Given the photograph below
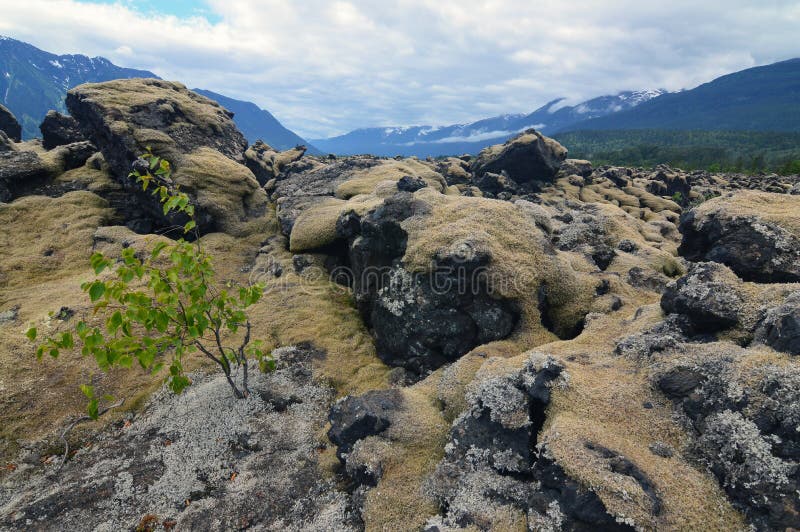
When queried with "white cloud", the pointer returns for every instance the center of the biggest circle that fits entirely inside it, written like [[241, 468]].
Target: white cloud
[[327, 67]]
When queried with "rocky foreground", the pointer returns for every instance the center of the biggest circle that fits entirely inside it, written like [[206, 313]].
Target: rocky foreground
[[513, 341]]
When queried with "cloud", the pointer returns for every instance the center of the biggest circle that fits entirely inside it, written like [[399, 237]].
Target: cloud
[[325, 67]]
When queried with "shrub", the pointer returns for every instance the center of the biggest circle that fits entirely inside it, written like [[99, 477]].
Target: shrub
[[164, 303]]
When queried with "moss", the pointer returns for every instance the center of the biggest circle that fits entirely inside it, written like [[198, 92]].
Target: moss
[[365, 181], [522, 256], [44, 257], [418, 434], [125, 95], [780, 209], [316, 227], [226, 189]]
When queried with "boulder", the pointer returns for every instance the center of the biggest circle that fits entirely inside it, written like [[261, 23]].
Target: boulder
[[125, 116], [19, 171], [492, 183], [527, 158], [780, 326], [578, 167], [667, 182], [420, 320], [267, 163], [58, 130], [409, 183], [259, 158], [756, 234], [23, 171], [9, 124], [194, 133], [355, 418], [707, 295]]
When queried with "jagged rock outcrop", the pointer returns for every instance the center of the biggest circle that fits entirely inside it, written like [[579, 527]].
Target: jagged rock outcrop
[[22, 171], [756, 234], [58, 130], [195, 134], [707, 295], [527, 159], [9, 124], [744, 421], [125, 116], [780, 326], [420, 321], [267, 163], [494, 471]]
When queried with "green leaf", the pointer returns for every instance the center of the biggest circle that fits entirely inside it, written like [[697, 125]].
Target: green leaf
[[92, 409], [87, 390], [158, 248], [114, 322], [31, 334], [189, 226], [67, 341], [96, 290]]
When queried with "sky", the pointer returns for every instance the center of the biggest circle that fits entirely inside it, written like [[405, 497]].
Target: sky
[[326, 67]]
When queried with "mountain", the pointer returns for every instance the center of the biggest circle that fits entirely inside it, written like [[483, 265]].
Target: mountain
[[423, 141], [765, 98], [33, 81], [256, 123]]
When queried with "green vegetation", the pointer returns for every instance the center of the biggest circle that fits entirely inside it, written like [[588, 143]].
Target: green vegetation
[[716, 151], [163, 303]]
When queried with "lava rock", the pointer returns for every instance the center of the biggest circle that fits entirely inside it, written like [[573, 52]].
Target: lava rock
[[578, 167], [59, 130], [124, 117], [780, 326], [409, 183], [354, 418], [526, 158], [21, 171], [9, 124], [707, 294], [756, 247]]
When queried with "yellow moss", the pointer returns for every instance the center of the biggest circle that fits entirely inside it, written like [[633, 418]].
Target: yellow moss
[[44, 258], [45, 239], [92, 179], [780, 209], [365, 181], [522, 257], [418, 437], [316, 227], [125, 94], [226, 189]]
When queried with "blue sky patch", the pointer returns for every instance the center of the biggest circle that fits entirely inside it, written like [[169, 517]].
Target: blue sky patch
[[179, 8]]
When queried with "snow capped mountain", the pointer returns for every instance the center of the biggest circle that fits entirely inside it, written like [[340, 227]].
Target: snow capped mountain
[[554, 116], [35, 81]]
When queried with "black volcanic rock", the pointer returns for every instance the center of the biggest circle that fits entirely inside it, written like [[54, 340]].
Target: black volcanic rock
[[195, 134], [753, 233], [58, 130], [707, 294], [527, 158], [780, 327], [9, 124]]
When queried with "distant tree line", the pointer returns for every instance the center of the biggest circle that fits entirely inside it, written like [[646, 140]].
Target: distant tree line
[[720, 151]]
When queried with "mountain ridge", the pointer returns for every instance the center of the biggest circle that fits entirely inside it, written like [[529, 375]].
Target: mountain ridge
[[34, 81], [550, 118], [762, 98]]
